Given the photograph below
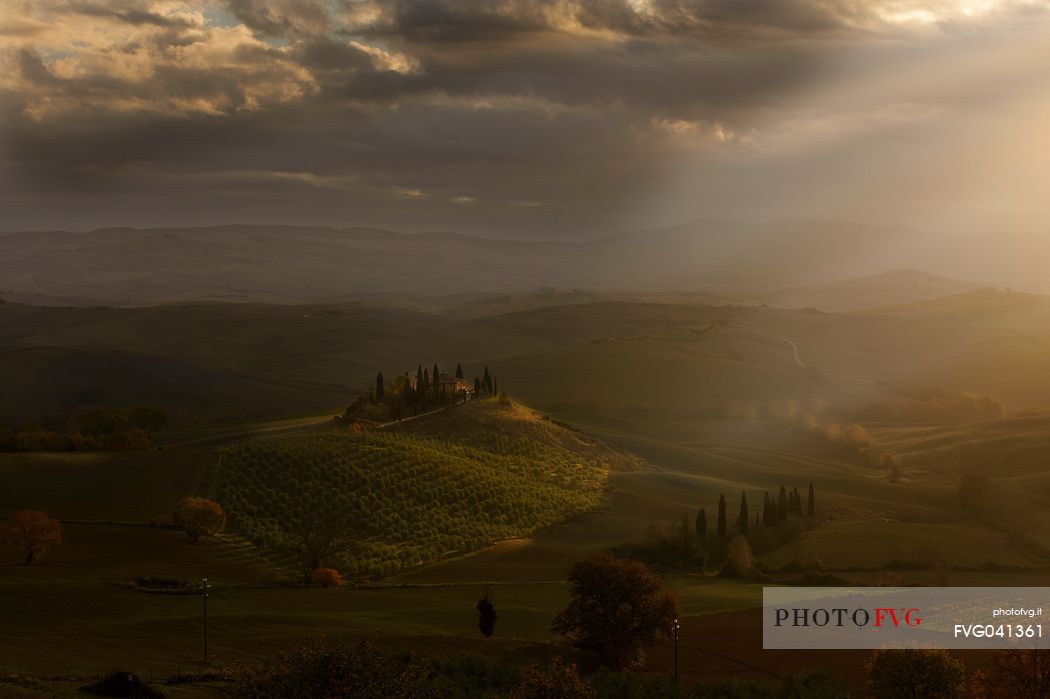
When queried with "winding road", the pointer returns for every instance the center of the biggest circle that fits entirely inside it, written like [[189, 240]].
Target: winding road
[[794, 352]]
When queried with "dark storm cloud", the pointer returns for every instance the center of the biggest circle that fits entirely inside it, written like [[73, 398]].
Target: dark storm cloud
[[463, 111], [459, 21], [482, 20], [131, 15], [285, 18]]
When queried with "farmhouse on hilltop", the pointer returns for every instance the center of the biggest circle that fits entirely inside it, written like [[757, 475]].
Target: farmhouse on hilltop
[[451, 385]]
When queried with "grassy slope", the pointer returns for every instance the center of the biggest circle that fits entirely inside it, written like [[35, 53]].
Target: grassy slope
[[1002, 340], [47, 380], [1007, 448], [110, 486]]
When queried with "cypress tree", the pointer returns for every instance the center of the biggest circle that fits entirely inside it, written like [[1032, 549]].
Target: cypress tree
[[486, 616], [421, 387], [722, 517], [811, 505], [486, 380], [782, 505], [435, 379], [379, 387], [769, 515], [701, 526], [744, 520], [409, 396], [687, 538], [426, 381], [459, 371], [798, 503], [477, 387]]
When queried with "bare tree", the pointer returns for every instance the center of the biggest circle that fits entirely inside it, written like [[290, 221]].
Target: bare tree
[[319, 536], [1022, 673]]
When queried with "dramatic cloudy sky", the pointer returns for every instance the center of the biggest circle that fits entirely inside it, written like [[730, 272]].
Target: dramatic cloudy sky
[[539, 118]]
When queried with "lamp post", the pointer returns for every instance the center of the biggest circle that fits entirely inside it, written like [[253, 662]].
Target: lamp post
[[204, 596], [674, 636]]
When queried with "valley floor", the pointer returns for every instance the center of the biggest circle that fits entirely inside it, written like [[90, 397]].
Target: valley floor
[[66, 616]]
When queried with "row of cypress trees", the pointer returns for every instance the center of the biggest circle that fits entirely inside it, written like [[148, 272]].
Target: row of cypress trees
[[427, 385], [486, 385], [774, 511]]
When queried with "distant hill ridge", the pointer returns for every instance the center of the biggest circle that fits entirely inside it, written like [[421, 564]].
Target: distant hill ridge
[[290, 264], [873, 291]]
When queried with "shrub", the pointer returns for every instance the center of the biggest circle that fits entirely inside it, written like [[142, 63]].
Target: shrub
[[327, 577], [740, 563], [35, 532], [199, 517], [734, 688], [468, 677], [172, 586], [122, 684], [632, 685], [812, 685], [319, 669], [558, 681], [904, 673]]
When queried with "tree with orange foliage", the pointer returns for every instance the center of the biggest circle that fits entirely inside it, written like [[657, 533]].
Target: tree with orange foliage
[[199, 517], [36, 533], [617, 609], [327, 577], [559, 680]]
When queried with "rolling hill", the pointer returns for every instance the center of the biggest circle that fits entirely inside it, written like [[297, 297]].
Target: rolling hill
[[235, 362], [210, 361], [993, 308], [868, 292], [473, 475], [1006, 448]]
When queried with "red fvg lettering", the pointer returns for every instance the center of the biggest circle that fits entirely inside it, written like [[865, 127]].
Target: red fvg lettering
[[909, 616]]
